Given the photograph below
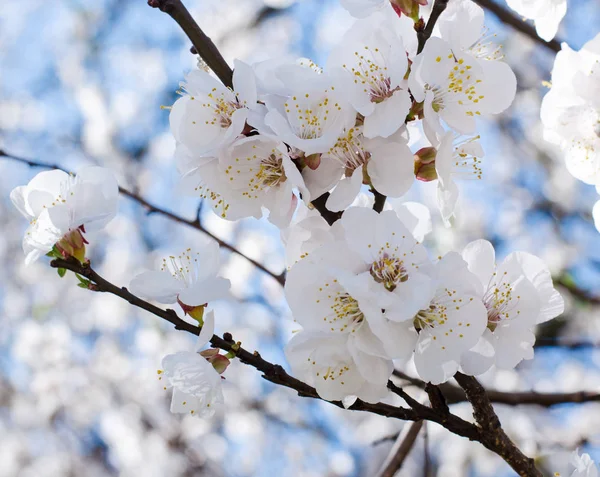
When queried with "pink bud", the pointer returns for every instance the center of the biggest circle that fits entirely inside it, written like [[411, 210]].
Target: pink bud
[[425, 164]]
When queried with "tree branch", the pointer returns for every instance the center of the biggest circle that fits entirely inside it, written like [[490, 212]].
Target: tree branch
[[509, 18], [490, 436], [273, 373], [328, 215], [379, 202], [493, 436], [153, 209], [202, 43], [423, 34], [400, 450], [454, 394]]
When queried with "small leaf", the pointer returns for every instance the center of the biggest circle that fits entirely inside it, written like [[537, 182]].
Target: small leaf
[[82, 280], [82, 285], [61, 272]]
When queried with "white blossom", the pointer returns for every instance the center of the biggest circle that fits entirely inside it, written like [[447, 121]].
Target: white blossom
[[337, 367], [189, 279], [571, 109], [64, 206], [388, 164], [583, 465], [462, 26], [196, 384], [451, 324], [455, 161], [363, 8], [547, 14], [314, 114], [458, 88], [254, 172], [209, 115], [371, 62], [518, 294]]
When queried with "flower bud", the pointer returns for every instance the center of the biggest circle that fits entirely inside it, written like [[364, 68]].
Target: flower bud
[[425, 164], [196, 312], [409, 7], [219, 362], [72, 244]]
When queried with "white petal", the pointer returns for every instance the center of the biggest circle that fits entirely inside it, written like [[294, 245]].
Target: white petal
[[159, 286], [345, 192], [481, 259], [207, 331], [244, 83], [205, 291], [480, 358], [391, 169], [388, 116]]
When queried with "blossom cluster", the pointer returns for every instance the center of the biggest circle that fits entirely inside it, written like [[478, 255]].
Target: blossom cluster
[[365, 290], [571, 112], [369, 294], [291, 131]]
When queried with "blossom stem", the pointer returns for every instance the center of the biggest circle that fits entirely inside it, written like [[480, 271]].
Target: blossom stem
[[202, 43]]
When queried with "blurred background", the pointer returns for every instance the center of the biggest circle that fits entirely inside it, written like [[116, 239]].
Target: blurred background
[[82, 82]]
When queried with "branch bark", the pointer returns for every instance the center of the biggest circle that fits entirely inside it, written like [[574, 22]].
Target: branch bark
[[509, 18], [202, 43], [454, 394], [400, 450], [493, 436]]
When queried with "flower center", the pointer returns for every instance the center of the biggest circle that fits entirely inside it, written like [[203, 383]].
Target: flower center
[[371, 72], [434, 315], [390, 271], [500, 302], [183, 267], [346, 309], [485, 48], [308, 116], [349, 151], [460, 88], [222, 108], [270, 172]]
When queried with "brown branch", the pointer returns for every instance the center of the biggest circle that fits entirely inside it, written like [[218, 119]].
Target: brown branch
[[423, 34], [202, 43], [273, 373], [379, 202], [578, 293], [493, 436], [509, 18], [400, 452], [151, 209], [454, 394], [328, 215]]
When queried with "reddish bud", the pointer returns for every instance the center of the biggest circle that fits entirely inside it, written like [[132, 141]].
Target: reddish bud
[[425, 164]]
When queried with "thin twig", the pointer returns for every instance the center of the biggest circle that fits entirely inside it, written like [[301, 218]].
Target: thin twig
[[493, 436], [454, 394], [423, 35], [202, 43], [153, 209], [400, 450], [509, 18]]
